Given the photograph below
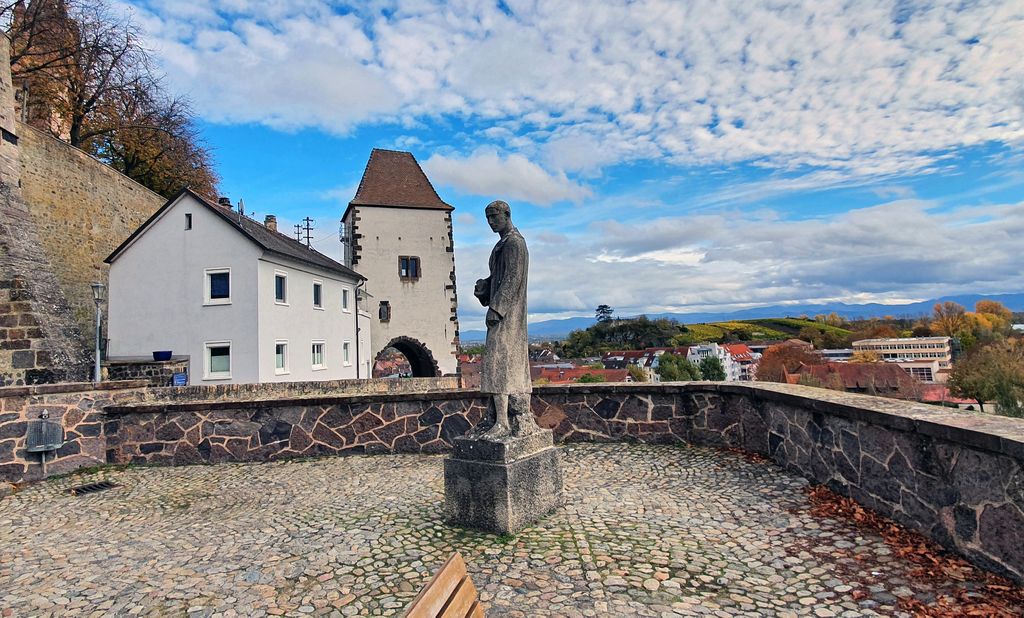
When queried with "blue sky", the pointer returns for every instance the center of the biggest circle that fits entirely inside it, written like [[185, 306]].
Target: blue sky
[[658, 156]]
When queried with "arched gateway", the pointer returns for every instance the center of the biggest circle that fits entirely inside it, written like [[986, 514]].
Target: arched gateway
[[420, 359]]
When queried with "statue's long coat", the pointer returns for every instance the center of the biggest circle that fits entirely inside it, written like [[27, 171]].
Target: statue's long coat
[[506, 364]]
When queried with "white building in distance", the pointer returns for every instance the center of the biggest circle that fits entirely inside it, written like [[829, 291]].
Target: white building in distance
[[246, 303], [398, 233]]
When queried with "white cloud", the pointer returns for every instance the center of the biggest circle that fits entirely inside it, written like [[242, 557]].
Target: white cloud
[[853, 88], [511, 178], [885, 253]]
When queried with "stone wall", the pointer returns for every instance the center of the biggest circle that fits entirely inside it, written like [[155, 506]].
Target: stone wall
[[155, 373], [956, 477], [78, 407], [38, 338], [61, 213], [82, 210]]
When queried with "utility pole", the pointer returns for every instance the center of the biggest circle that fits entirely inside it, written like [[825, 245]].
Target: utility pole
[[298, 232], [309, 231]]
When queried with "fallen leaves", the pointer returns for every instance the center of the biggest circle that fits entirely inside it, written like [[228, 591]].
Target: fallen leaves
[[968, 590]]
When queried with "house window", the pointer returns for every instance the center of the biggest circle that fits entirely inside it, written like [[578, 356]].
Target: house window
[[319, 361], [218, 286], [408, 267], [188, 221], [281, 357], [384, 313], [345, 352], [218, 360], [344, 299], [318, 294], [280, 288]]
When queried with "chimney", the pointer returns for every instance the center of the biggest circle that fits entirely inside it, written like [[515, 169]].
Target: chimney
[[224, 201], [270, 222]]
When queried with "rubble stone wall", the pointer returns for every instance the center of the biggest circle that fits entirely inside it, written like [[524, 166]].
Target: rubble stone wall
[[957, 477]]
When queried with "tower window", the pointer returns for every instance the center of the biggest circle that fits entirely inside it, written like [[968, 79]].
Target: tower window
[[408, 267], [384, 312]]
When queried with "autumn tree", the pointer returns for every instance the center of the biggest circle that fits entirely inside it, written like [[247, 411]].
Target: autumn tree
[[993, 372], [87, 79], [711, 369], [949, 319], [865, 356], [784, 358]]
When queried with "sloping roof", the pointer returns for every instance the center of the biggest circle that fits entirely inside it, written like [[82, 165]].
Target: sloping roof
[[565, 376], [740, 352], [268, 240], [883, 376], [394, 178]]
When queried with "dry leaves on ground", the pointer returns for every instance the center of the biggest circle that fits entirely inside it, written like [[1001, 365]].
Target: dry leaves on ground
[[966, 589]]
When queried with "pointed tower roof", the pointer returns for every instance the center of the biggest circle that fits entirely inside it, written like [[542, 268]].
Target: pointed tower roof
[[393, 178]]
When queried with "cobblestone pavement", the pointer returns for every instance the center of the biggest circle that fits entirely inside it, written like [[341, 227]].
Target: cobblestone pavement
[[648, 531]]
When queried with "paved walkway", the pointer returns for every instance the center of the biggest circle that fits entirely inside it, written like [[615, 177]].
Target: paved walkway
[[648, 531]]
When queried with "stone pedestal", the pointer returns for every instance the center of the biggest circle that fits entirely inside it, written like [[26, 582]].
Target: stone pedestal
[[502, 486]]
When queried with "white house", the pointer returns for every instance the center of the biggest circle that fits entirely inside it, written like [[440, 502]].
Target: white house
[[246, 303], [737, 359]]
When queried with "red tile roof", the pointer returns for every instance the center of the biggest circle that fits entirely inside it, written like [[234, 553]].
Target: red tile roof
[[855, 376], [567, 376], [740, 352], [937, 393], [394, 178]]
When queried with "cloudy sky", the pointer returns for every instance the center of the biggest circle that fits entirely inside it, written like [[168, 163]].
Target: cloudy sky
[[658, 156]]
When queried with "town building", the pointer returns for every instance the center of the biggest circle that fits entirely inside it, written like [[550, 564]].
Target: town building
[[733, 369], [881, 379], [573, 375], [244, 302], [398, 233], [838, 355], [744, 361], [911, 348]]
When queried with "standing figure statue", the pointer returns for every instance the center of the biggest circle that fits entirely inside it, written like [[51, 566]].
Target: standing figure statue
[[505, 371]]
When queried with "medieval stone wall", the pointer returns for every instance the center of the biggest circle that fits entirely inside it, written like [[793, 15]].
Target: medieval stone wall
[[82, 210]]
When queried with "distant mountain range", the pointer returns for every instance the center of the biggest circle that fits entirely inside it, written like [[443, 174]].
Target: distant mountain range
[[558, 329]]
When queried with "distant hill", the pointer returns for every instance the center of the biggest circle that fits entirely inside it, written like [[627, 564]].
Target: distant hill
[[558, 329]]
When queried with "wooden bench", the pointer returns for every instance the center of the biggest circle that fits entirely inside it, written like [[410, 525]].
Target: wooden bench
[[449, 594]]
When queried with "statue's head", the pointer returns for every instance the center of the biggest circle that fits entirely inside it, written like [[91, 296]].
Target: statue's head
[[499, 216]]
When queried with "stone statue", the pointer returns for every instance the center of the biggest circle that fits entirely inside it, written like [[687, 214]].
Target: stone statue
[[505, 371], [506, 472]]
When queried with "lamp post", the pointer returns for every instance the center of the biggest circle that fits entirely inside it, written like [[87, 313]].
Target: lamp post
[[97, 297]]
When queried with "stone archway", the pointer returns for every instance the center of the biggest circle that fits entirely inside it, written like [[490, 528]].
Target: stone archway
[[420, 359]]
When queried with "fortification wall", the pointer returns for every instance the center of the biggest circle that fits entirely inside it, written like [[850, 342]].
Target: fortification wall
[[61, 213], [82, 210]]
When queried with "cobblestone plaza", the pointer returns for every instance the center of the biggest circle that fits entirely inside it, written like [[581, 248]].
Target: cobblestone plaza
[[647, 531]]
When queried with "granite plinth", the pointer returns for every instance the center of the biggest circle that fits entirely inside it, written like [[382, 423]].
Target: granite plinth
[[506, 449], [502, 486]]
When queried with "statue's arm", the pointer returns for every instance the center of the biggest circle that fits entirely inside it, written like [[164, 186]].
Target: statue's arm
[[512, 288], [482, 291]]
